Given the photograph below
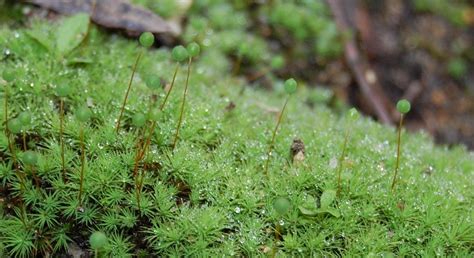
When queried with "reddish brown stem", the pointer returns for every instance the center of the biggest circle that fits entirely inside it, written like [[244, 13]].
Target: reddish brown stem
[[341, 158], [181, 114], [398, 152], [128, 91], [162, 106], [272, 142], [83, 158], [35, 177], [61, 135], [24, 140]]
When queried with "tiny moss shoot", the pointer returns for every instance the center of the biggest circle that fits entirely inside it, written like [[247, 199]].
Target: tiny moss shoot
[[62, 92], [403, 106], [352, 115], [146, 40], [193, 50], [83, 115], [290, 89], [98, 240]]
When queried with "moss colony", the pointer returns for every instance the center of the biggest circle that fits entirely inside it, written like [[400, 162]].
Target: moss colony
[[68, 177]]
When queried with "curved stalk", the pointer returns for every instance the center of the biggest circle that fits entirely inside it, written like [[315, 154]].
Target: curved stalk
[[61, 136], [83, 157], [398, 152], [341, 158], [128, 91], [272, 142], [181, 114]]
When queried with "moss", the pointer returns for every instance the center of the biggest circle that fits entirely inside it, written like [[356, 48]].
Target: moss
[[209, 196]]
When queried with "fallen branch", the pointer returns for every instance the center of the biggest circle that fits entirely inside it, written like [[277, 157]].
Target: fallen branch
[[364, 75]]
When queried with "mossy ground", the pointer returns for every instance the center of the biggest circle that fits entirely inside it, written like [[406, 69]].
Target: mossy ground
[[209, 197]]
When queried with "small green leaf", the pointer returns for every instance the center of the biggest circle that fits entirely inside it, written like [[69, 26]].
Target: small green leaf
[[316, 212], [332, 211], [71, 33], [42, 38], [307, 212], [327, 198]]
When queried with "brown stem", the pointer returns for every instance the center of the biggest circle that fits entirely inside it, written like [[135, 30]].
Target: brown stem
[[277, 238], [171, 88], [270, 148], [24, 140], [341, 158], [181, 114], [162, 106], [35, 177], [258, 75], [399, 143], [61, 135], [138, 152], [83, 157], [128, 90], [6, 110], [237, 65]]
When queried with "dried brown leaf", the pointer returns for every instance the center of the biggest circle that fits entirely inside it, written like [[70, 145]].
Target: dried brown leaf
[[114, 14]]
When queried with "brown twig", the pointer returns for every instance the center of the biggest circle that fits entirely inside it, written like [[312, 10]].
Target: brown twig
[[364, 75]]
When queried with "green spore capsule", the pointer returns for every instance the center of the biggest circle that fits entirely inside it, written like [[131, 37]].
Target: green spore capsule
[[15, 126], [290, 86], [25, 118], [98, 240], [353, 114], [30, 158], [281, 205], [83, 114], [179, 53], [154, 114], [139, 120], [153, 82], [403, 106], [147, 39], [193, 49], [8, 75], [63, 90], [277, 62]]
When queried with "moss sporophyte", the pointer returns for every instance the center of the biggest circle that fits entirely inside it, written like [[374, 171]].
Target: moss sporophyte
[[83, 115], [193, 51], [403, 106], [290, 88], [179, 54], [62, 91], [98, 241], [146, 40], [352, 116]]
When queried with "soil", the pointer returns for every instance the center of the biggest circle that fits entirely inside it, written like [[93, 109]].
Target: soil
[[409, 52]]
